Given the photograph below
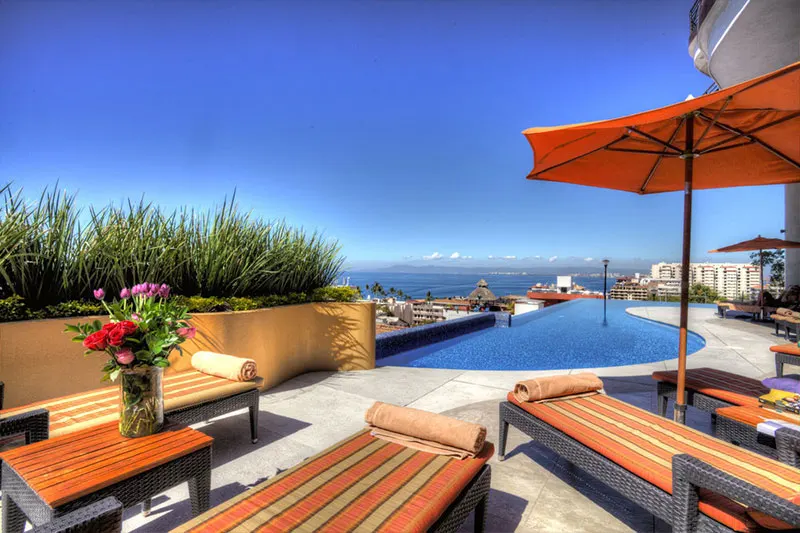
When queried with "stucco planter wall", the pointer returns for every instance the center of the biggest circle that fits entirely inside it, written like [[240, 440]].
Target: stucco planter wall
[[38, 361]]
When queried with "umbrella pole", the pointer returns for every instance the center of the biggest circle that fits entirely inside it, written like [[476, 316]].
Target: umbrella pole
[[688, 161], [761, 273]]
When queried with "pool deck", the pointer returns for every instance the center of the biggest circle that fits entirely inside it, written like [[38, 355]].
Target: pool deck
[[533, 490]]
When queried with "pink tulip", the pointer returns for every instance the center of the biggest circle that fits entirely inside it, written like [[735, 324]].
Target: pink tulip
[[163, 291], [135, 316], [125, 356], [187, 333], [99, 294], [125, 293]]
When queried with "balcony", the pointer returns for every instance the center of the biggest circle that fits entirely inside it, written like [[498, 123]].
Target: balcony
[[697, 15]]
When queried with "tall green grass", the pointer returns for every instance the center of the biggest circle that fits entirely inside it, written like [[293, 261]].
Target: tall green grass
[[47, 255]]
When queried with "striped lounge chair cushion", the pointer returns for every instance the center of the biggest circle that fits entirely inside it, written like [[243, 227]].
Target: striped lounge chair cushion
[[86, 409], [359, 484], [644, 444], [725, 386]]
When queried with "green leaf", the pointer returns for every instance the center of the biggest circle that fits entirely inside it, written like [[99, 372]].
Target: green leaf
[[113, 375], [71, 328]]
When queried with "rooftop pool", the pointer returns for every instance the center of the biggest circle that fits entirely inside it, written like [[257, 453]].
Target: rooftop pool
[[568, 335]]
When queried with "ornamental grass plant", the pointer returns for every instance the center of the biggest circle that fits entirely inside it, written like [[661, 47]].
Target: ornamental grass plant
[[52, 251]]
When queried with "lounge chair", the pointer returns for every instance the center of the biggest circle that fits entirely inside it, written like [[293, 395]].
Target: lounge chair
[[189, 397], [688, 479], [787, 318], [708, 389], [361, 483]]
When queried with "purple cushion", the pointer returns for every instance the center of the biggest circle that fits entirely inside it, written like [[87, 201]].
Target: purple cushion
[[790, 383]]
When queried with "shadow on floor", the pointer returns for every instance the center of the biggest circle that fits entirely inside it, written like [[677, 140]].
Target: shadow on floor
[[232, 434], [503, 513], [180, 512]]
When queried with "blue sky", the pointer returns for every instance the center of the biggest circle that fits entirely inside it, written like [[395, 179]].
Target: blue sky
[[393, 126]]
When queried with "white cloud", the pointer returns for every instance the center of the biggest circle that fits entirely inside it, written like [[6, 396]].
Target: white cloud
[[537, 256], [491, 257], [408, 257], [466, 257], [433, 256], [553, 259], [510, 257], [455, 255], [589, 259]]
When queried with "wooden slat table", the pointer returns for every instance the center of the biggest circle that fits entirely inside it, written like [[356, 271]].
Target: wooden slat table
[[46, 479], [739, 425]]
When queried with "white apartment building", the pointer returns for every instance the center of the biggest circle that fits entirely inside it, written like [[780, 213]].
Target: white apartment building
[[731, 280]]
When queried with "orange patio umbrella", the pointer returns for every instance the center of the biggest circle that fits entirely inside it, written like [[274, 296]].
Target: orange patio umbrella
[[748, 134], [758, 244]]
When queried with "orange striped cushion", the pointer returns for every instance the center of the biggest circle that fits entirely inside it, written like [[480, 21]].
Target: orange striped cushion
[[361, 482], [644, 444], [753, 416], [725, 386], [791, 349], [86, 409]]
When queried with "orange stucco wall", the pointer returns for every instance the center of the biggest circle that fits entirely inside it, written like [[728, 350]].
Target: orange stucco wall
[[38, 361]]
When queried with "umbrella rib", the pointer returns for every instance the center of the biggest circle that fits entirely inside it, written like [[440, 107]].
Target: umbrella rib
[[665, 144], [604, 147], [742, 134], [649, 152], [714, 120], [652, 172], [759, 142]]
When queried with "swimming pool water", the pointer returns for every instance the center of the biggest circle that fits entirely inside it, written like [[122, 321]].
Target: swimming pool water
[[568, 335]]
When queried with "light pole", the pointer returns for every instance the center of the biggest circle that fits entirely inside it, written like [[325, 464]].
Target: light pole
[[605, 279]]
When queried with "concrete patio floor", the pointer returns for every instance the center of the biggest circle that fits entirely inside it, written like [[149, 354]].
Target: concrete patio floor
[[532, 490]]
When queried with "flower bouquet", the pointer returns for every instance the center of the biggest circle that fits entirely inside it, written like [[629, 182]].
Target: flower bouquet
[[145, 326]]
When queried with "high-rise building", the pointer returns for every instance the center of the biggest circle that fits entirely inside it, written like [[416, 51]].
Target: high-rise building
[[733, 41], [731, 280]]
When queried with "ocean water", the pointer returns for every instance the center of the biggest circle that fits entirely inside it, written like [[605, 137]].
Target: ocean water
[[445, 285], [568, 335]]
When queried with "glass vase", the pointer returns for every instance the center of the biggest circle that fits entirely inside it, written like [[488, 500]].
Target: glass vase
[[141, 401]]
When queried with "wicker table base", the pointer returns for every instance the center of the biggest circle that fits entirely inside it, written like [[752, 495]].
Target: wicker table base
[[57, 476]]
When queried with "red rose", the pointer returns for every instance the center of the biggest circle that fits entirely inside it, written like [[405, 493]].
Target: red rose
[[127, 327], [97, 341], [116, 337], [109, 326]]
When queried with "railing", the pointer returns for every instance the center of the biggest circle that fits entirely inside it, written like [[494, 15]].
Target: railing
[[712, 88], [697, 15], [694, 19]]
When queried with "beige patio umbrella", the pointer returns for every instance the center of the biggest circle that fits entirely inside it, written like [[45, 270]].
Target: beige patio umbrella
[[743, 135], [758, 244]]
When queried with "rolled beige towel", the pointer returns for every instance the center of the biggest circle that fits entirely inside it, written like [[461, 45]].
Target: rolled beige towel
[[225, 366], [784, 311], [425, 431], [544, 388]]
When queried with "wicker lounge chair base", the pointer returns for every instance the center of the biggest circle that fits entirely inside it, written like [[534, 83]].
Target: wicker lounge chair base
[[743, 435], [680, 509]]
